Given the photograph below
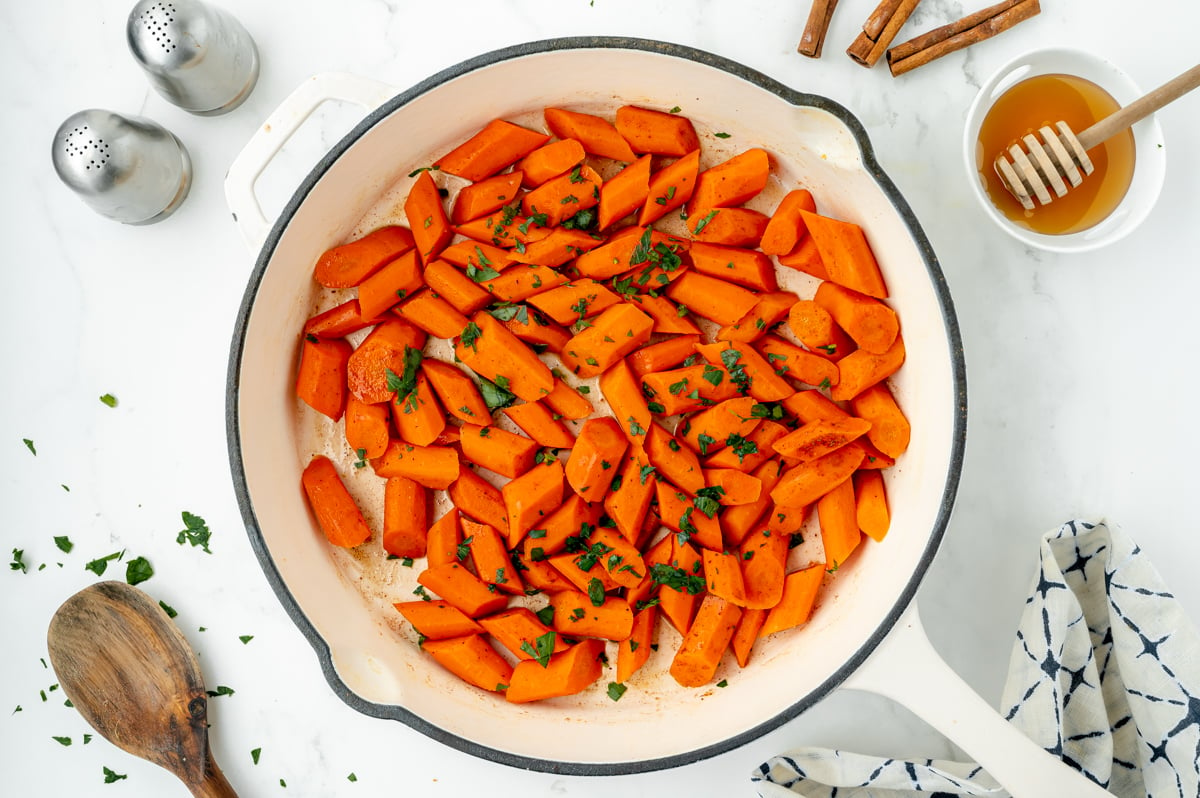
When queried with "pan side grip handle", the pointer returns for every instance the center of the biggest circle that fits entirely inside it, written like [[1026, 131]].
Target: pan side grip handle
[[906, 668], [274, 133]]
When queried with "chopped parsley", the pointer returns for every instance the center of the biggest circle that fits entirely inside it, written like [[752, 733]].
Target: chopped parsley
[[99, 565], [703, 223], [595, 592], [221, 690], [470, 336], [138, 570], [195, 531], [495, 395], [542, 647], [707, 500], [676, 579], [111, 775], [18, 561], [616, 690], [109, 400]]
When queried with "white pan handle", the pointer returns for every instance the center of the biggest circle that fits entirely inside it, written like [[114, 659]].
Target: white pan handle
[[906, 668], [280, 126]]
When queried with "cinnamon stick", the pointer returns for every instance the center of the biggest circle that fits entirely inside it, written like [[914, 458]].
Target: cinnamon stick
[[818, 24], [879, 30], [969, 30]]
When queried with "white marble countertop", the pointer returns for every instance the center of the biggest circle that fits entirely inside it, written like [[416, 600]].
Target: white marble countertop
[[1068, 357]]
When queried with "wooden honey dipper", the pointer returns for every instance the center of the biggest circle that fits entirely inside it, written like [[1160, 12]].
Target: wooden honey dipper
[[1059, 156]]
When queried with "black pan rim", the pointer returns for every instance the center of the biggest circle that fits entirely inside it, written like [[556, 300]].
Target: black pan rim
[[906, 596]]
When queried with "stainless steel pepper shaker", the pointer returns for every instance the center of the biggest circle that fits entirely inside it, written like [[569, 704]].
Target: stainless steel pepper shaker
[[197, 56], [126, 168]]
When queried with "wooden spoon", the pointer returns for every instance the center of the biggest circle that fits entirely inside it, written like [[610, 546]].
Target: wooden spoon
[[1060, 156], [135, 679]]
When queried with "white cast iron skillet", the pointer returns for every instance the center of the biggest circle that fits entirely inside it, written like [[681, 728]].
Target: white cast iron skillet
[[342, 603]]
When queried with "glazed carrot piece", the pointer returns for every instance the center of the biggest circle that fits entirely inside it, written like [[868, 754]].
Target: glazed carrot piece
[[575, 518], [338, 322], [560, 246], [597, 135], [594, 460], [498, 450], [568, 402], [627, 248], [575, 614], [518, 630], [745, 634], [454, 583], [739, 487], [709, 430], [538, 331], [787, 227], [733, 227], [550, 160], [477, 254], [818, 438], [633, 652], [480, 199], [628, 505], [678, 603], [564, 196], [761, 380], [519, 283], [657, 553], [348, 265], [479, 499], [890, 430], [770, 309], [614, 333], [739, 521], [471, 659], [367, 428], [497, 145], [540, 424], [688, 388], [389, 285], [846, 254], [456, 390], [719, 300], [870, 323], [732, 181], [860, 370], [666, 315], [674, 462], [745, 267], [582, 579], [678, 513], [800, 590], [427, 217], [575, 300], [336, 512], [662, 355], [494, 353], [431, 313], [763, 559], [437, 620], [817, 330], [871, 506], [489, 557], [806, 483], [806, 258], [670, 188], [656, 132], [787, 521], [541, 575], [808, 406], [321, 377], [456, 288], [503, 229], [567, 673], [622, 559], [623, 392], [624, 193], [793, 362], [405, 518], [441, 542], [531, 497], [748, 455], [434, 467], [699, 654], [381, 351], [723, 575], [418, 417], [838, 515]]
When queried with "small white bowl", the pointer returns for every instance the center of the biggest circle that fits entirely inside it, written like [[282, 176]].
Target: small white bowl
[[1149, 152]]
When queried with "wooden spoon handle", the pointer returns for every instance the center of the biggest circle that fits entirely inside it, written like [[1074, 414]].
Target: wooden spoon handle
[[214, 784], [1140, 108]]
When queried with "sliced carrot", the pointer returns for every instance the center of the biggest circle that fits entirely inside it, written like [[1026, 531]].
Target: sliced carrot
[[737, 487], [871, 508], [787, 227], [380, 352], [733, 227], [454, 583], [498, 450], [662, 355], [740, 521], [577, 615], [793, 362], [846, 254], [456, 391], [732, 181], [597, 135], [431, 313], [628, 505], [810, 406], [656, 132], [675, 462], [624, 193], [497, 145], [575, 301], [564, 196], [633, 652], [484, 197], [338, 322], [745, 267], [749, 454], [321, 377], [709, 430], [756, 372], [479, 499], [492, 352], [418, 417], [838, 515], [348, 265], [531, 497], [477, 254], [788, 521], [568, 402], [574, 518], [366, 428], [473, 660], [699, 654], [441, 542], [627, 248], [817, 330], [678, 512], [540, 424], [550, 160], [560, 246], [518, 630], [489, 557], [566, 673], [336, 511], [890, 430], [770, 309], [614, 333], [432, 466], [621, 558], [581, 573], [818, 438], [456, 288], [405, 518], [390, 284], [719, 300], [518, 283], [804, 484], [670, 188], [860, 370], [869, 322], [503, 229], [437, 620], [538, 331], [427, 217], [805, 258], [623, 393], [764, 565], [745, 634], [541, 575], [678, 599], [594, 460], [800, 590], [723, 575], [666, 315], [688, 388]]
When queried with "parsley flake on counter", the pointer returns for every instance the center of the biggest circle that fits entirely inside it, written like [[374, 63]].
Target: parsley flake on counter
[[196, 532], [675, 110], [87, 738], [254, 755], [721, 135], [111, 775], [138, 570], [282, 783], [352, 777], [723, 683], [220, 691], [109, 400], [245, 638], [616, 690], [18, 561], [63, 741], [29, 445], [167, 608]]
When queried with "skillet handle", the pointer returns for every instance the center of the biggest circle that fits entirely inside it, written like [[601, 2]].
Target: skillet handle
[[906, 668], [275, 132]]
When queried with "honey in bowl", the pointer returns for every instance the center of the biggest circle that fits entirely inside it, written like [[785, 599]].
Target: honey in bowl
[[1044, 100]]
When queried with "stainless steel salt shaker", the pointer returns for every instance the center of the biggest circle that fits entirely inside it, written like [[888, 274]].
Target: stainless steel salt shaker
[[197, 56], [126, 168]]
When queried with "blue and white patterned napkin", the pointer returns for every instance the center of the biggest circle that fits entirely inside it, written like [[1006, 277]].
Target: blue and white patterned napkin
[[1105, 674]]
